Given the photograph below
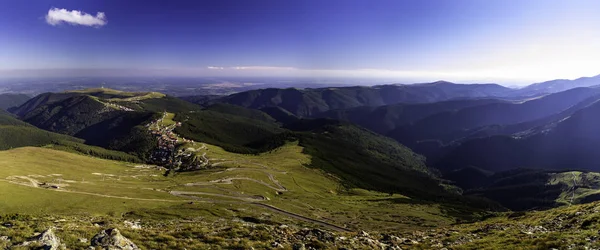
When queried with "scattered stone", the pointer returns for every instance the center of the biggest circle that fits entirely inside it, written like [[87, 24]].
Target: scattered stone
[[276, 244], [112, 239], [363, 234], [299, 246], [4, 238], [133, 224]]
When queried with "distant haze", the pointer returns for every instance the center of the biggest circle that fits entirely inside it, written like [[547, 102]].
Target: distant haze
[[510, 42]]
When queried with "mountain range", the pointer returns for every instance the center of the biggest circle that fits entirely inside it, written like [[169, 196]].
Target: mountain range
[[328, 156], [544, 126]]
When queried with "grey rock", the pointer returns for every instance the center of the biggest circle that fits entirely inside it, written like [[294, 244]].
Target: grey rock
[[111, 239], [47, 240], [299, 246], [276, 244]]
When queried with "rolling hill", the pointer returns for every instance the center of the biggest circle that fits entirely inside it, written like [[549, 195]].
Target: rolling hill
[[235, 129], [366, 160], [310, 102], [8, 100], [102, 117], [338, 148], [383, 119], [525, 189], [115, 120], [567, 143], [452, 125], [15, 133], [559, 85]]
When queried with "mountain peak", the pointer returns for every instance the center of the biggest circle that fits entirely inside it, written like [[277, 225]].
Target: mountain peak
[[442, 82]]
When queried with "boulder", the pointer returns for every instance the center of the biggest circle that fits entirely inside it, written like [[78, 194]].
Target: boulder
[[111, 239], [46, 240]]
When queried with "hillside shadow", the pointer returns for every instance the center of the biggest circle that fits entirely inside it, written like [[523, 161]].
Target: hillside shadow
[[464, 209]]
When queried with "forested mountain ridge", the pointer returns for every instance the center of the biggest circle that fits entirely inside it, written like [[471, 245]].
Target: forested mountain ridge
[[309, 102]]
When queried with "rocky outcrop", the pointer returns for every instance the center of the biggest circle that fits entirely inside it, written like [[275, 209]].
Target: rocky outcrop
[[320, 239], [46, 240], [111, 239]]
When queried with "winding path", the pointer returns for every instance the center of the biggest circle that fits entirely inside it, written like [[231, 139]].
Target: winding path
[[302, 217], [99, 195], [268, 207], [230, 181], [189, 195]]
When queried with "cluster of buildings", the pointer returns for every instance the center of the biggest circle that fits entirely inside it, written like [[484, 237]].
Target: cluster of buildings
[[119, 107], [166, 153]]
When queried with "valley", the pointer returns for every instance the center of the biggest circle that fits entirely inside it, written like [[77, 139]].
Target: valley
[[147, 158]]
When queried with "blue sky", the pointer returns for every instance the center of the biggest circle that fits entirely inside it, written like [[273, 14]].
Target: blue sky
[[508, 41]]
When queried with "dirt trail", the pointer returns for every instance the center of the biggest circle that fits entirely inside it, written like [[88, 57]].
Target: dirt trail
[[99, 195], [189, 195], [230, 181], [268, 207], [33, 182], [120, 197], [280, 188], [302, 217]]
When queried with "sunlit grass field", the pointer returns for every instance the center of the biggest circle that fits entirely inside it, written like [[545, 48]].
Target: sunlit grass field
[[95, 186]]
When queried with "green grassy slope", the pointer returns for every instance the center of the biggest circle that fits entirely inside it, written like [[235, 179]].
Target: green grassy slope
[[91, 186], [573, 227], [365, 160], [15, 136], [107, 193], [362, 159], [8, 119], [16, 133], [75, 174], [94, 151]]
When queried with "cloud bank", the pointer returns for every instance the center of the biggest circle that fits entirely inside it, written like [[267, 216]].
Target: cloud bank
[[58, 16]]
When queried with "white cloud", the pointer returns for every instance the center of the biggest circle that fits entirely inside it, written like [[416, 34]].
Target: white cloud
[[214, 67], [262, 68], [58, 16]]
